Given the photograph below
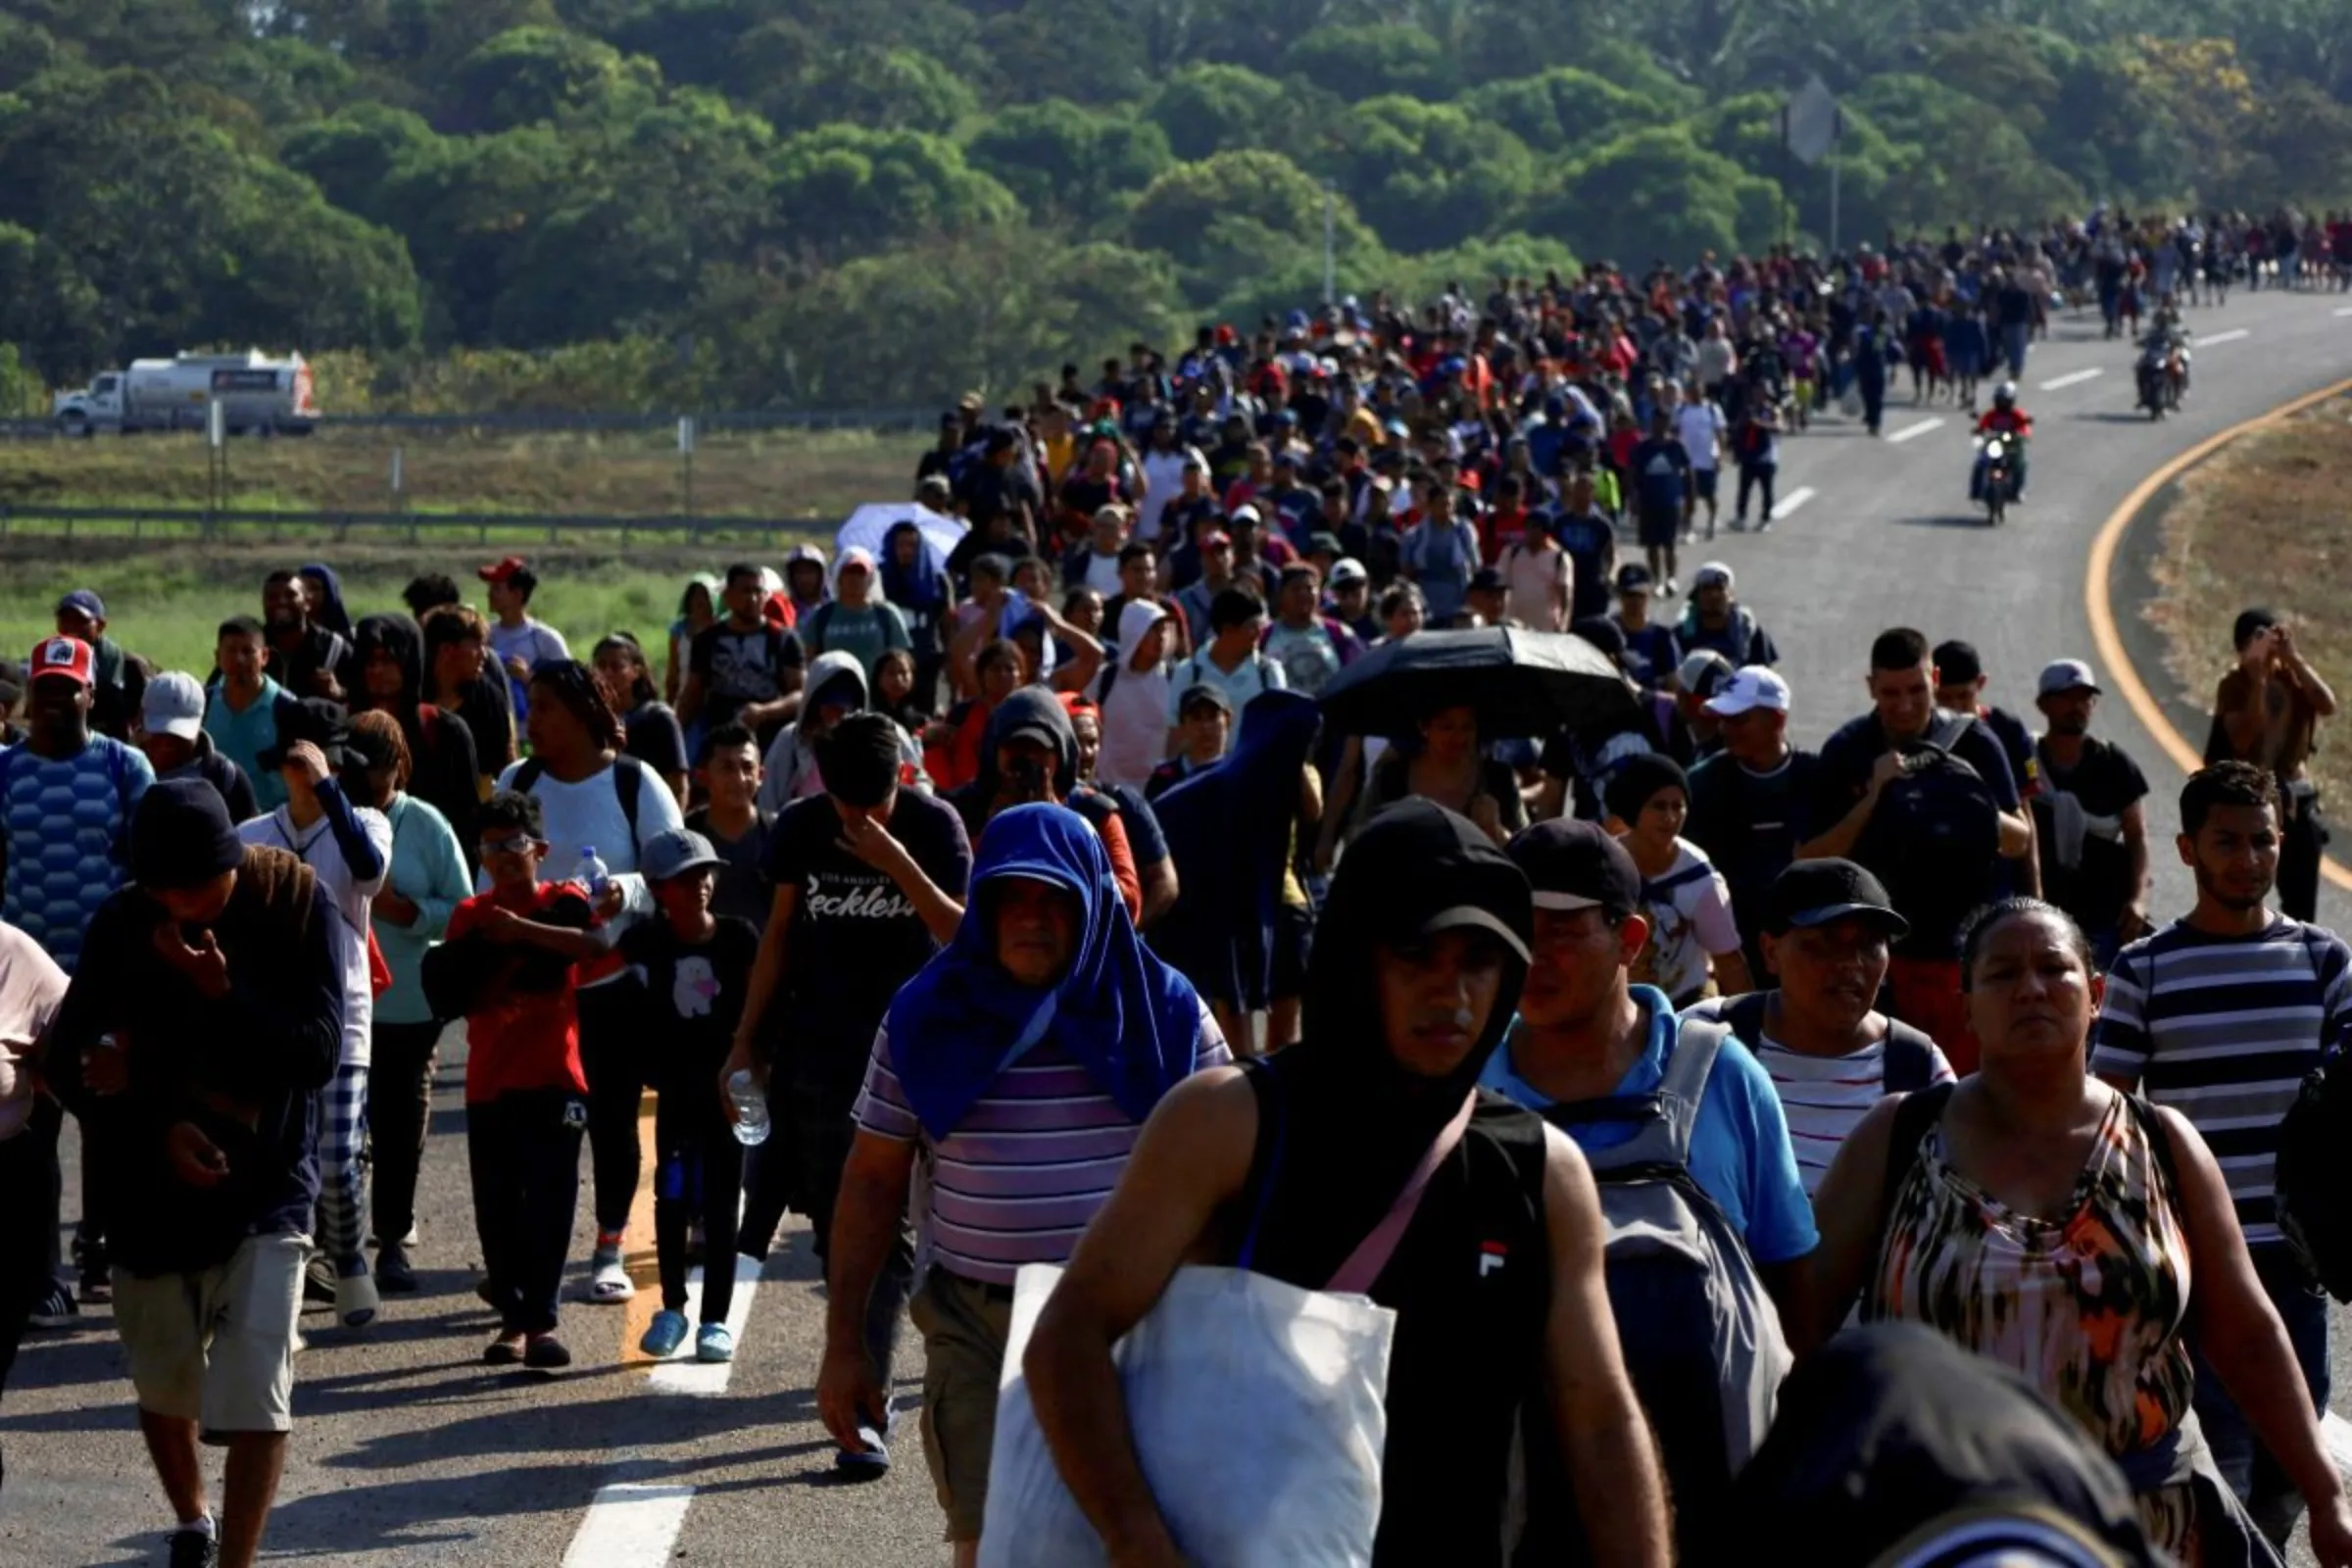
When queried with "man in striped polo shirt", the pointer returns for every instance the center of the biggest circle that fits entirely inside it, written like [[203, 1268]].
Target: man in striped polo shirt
[[1826, 928], [1021, 1062], [2219, 1015]]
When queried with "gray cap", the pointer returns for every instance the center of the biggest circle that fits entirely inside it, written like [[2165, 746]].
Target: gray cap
[[2066, 675], [677, 853]]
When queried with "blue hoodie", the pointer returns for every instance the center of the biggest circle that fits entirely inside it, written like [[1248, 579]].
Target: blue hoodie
[[1122, 1015]]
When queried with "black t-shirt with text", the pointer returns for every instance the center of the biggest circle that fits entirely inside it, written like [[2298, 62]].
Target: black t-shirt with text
[[741, 666], [854, 937]]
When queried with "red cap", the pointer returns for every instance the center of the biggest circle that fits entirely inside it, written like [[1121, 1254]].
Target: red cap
[[68, 657], [1215, 536], [501, 571]]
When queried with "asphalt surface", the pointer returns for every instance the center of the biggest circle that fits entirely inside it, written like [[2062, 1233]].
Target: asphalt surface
[[409, 1451]]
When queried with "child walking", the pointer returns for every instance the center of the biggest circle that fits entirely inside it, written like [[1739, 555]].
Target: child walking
[[509, 967], [693, 967]]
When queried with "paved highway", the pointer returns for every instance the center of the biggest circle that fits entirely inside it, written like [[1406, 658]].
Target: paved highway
[[409, 1451]]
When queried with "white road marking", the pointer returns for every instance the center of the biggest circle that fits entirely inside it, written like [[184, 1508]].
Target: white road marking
[[2230, 336], [629, 1526], [1912, 431], [2343, 310], [2077, 379], [1791, 500], [681, 1373], [2333, 1428]]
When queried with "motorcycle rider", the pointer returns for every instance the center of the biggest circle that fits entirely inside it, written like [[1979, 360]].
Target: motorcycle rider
[[2004, 418], [2166, 349]]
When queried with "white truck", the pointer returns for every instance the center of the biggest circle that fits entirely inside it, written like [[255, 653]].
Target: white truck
[[257, 395]]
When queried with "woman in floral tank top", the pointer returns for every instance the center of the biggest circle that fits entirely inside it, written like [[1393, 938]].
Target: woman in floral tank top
[[2050, 1223]]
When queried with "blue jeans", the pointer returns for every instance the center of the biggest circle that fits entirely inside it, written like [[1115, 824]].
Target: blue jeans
[[2013, 346], [2249, 1468]]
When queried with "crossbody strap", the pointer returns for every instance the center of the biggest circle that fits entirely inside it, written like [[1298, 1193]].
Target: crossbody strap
[[1372, 1254]]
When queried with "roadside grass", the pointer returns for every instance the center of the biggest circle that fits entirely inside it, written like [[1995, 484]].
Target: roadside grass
[[166, 597], [2264, 522], [769, 474]]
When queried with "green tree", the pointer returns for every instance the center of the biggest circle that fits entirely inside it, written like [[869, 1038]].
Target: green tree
[[1655, 194], [1260, 195], [842, 190], [1368, 62], [872, 87], [353, 156], [1208, 108], [1068, 163], [1566, 107], [1079, 49], [1964, 161], [532, 74], [1427, 175]]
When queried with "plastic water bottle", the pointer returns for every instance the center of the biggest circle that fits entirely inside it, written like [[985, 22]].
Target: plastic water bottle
[[751, 1106], [592, 873]]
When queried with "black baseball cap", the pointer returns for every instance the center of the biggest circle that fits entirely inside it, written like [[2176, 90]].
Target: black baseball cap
[[1635, 578], [1574, 864], [1202, 694], [1815, 893], [1957, 665]]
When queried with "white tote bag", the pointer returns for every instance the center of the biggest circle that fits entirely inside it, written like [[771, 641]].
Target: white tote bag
[[1256, 1409]]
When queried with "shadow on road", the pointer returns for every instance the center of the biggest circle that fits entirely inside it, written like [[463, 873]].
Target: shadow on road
[[1974, 519]]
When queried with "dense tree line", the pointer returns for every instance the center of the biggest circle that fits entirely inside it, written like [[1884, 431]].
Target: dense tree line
[[761, 201]]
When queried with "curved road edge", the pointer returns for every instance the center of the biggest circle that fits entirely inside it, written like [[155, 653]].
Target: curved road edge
[[2114, 571]]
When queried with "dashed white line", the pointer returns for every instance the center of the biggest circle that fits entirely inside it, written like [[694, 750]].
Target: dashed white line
[[1791, 500], [629, 1526], [2057, 383], [2343, 310], [1913, 431], [681, 1373], [2230, 336]]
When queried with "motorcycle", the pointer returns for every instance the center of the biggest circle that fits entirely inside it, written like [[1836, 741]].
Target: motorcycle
[[1996, 474], [2163, 376]]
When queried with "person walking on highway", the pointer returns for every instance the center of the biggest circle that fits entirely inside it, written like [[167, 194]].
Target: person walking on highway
[[1924, 800], [68, 799], [339, 834], [2219, 1015], [205, 1020], [2091, 823], [2267, 711], [429, 879], [869, 880], [1021, 1063], [521, 642]]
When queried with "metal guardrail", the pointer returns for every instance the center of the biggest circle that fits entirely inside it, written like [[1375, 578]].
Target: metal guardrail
[[893, 419], [213, 520]]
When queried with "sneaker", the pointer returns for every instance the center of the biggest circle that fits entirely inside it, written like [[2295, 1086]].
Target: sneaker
[[319, 1283], [664, 1334], [355, 1300], [1738, 526], [1666, 589], [870, 1463], [544, 1353], [394, 1274], [505, 1350], [56, 1310], [195, 1548], [714, 1343], [610, 1282], [97, 1287]]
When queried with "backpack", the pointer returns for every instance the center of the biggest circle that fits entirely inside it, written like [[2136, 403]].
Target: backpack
[[628, 783], [1910, 1061], [1701, 1339], [2312, 1213], [1937, 828]]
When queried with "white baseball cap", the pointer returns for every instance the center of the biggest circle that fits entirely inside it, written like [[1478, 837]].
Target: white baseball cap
[[1750, 689], [173, 705]]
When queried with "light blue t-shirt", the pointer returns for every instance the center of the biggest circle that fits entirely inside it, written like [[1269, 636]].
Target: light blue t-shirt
[[1741, 1156]]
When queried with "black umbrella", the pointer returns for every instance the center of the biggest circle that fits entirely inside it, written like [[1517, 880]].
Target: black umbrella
[[1520, 683]]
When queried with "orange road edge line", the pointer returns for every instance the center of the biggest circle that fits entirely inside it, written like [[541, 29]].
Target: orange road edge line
[[2099, 605], [637, 1246]]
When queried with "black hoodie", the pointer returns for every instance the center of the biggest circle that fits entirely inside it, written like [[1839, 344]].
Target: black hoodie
[[1340, 1126], [444, 772]]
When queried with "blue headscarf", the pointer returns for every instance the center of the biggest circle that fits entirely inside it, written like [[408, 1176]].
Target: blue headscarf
[[1126, 1017], [1229, 832]]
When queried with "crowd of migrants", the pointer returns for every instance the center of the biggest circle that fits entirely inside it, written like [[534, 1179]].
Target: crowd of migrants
[[1027, 865]]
